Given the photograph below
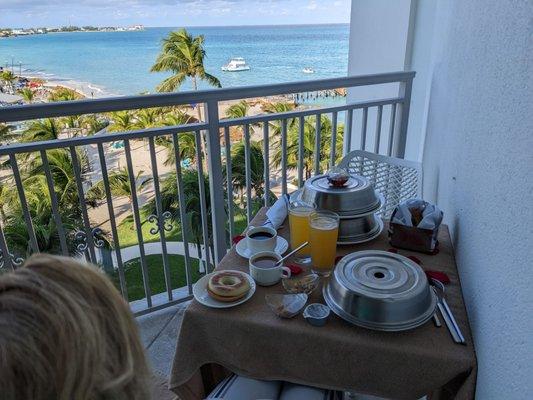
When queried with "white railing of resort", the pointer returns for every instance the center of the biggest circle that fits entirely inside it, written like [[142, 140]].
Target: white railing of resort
[[219, 230]]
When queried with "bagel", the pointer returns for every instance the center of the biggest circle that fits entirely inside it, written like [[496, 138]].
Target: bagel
[[228, 286], [225, 299]]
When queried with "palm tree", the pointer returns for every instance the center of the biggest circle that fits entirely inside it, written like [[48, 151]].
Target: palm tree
[[121, 121], [183, 55], [186, 140], [8, 77], [7, 198], [119, 183], [276, 108], [238, 166], [238, 110], [64, 94], [279, 107], [27, 94], [7, 134], [308, 144], [257, 168], [39, 204], [147, 118], [93, 124], [46, 129], [46, 232], [63, 176], [192, 208]]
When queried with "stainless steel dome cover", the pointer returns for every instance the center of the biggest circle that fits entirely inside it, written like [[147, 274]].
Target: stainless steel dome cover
[[356, 197], [380, 290]]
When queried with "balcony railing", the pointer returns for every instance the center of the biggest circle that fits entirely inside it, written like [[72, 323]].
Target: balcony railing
[[212, 149]]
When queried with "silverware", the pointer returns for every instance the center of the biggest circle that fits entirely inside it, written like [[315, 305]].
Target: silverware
[[447, 314], [436, 320], [292, 252]]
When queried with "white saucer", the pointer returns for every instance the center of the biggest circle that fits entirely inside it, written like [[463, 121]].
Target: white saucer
[[199, 291], [242, 249]]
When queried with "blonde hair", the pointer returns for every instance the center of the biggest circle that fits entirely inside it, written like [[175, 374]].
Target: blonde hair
[[67, 334]]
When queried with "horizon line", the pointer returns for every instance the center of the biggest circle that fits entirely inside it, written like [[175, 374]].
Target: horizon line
[[182, 26]]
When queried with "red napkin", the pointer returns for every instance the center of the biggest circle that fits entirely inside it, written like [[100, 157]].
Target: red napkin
[[415, 259], [295, 269], [439, 276], [237, 239]]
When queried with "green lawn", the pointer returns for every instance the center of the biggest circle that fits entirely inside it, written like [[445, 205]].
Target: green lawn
[[128, 236], [134, 280]]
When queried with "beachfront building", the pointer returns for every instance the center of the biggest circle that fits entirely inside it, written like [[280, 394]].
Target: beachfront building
[[442, 88]]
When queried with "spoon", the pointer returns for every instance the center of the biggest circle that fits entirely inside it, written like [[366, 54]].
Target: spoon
[[292, 252]]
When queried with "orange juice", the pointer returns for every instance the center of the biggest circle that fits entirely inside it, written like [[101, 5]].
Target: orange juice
[[324, 230], [299, 226]]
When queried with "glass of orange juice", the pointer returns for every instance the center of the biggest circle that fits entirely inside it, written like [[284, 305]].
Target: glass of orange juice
[[323, 233], [299, 212]]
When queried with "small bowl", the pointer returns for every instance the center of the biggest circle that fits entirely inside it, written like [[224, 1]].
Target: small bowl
[[316, 314], [286, 305], [305, 284]]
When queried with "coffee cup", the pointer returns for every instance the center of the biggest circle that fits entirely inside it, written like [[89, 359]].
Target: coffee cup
[[261, 238], [265, 270]]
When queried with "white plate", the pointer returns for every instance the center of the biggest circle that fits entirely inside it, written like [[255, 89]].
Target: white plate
[[242, 249], [199, 291]]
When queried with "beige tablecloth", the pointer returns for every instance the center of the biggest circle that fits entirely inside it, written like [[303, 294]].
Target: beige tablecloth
[[250, 340]]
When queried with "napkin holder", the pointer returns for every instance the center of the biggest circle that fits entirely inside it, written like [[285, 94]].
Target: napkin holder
[[413, 238]]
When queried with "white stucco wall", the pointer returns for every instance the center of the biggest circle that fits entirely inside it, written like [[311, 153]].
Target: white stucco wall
[[379, 42], [478, 166]]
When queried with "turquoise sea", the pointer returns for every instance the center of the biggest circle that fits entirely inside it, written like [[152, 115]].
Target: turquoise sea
[[119, 62]]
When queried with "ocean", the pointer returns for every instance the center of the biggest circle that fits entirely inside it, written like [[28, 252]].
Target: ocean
[[118, 63]]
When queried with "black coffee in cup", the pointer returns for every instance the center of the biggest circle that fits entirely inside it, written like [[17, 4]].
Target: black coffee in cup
[[261, 235], [265, 262]]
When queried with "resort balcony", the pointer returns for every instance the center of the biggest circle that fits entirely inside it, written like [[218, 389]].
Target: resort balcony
[[157, 188], [158, 207]]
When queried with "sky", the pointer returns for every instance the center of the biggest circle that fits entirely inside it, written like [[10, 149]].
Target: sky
[[55, 13]]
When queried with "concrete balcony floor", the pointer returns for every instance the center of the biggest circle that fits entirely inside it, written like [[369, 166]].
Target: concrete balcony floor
[[159, 333]]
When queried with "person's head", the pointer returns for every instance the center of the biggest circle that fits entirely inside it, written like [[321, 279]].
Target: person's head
[[66, 334]]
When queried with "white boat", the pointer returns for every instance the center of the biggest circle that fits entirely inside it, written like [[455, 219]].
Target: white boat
[[236, 64], [308, 70]]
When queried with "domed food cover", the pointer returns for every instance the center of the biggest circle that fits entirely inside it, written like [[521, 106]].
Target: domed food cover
[[380, 290], [356, 196]]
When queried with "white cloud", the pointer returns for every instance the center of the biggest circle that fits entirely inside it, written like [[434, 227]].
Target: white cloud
[[312, 5]]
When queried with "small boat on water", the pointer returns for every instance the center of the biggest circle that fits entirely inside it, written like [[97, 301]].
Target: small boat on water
[[308, 70], [235, 65]]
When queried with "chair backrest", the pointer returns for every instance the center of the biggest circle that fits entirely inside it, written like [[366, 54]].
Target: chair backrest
[[396, 179]]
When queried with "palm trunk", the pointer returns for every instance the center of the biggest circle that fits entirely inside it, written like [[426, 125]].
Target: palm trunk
[[134, 225], [199, 111], [195, 87], [201, 262]]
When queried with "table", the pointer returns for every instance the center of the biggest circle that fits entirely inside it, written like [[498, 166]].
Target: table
[[250, 340]]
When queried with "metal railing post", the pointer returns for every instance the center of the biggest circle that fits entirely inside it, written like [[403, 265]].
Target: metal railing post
[[401, 141], [216, 190]]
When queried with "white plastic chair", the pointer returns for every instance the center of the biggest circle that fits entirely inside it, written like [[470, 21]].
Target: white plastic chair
[[396, 179]]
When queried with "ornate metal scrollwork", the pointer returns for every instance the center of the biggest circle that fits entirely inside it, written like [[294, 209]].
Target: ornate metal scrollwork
[[97, 235], [98, 238], [81, 237], [161, 223], [15, 261]]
